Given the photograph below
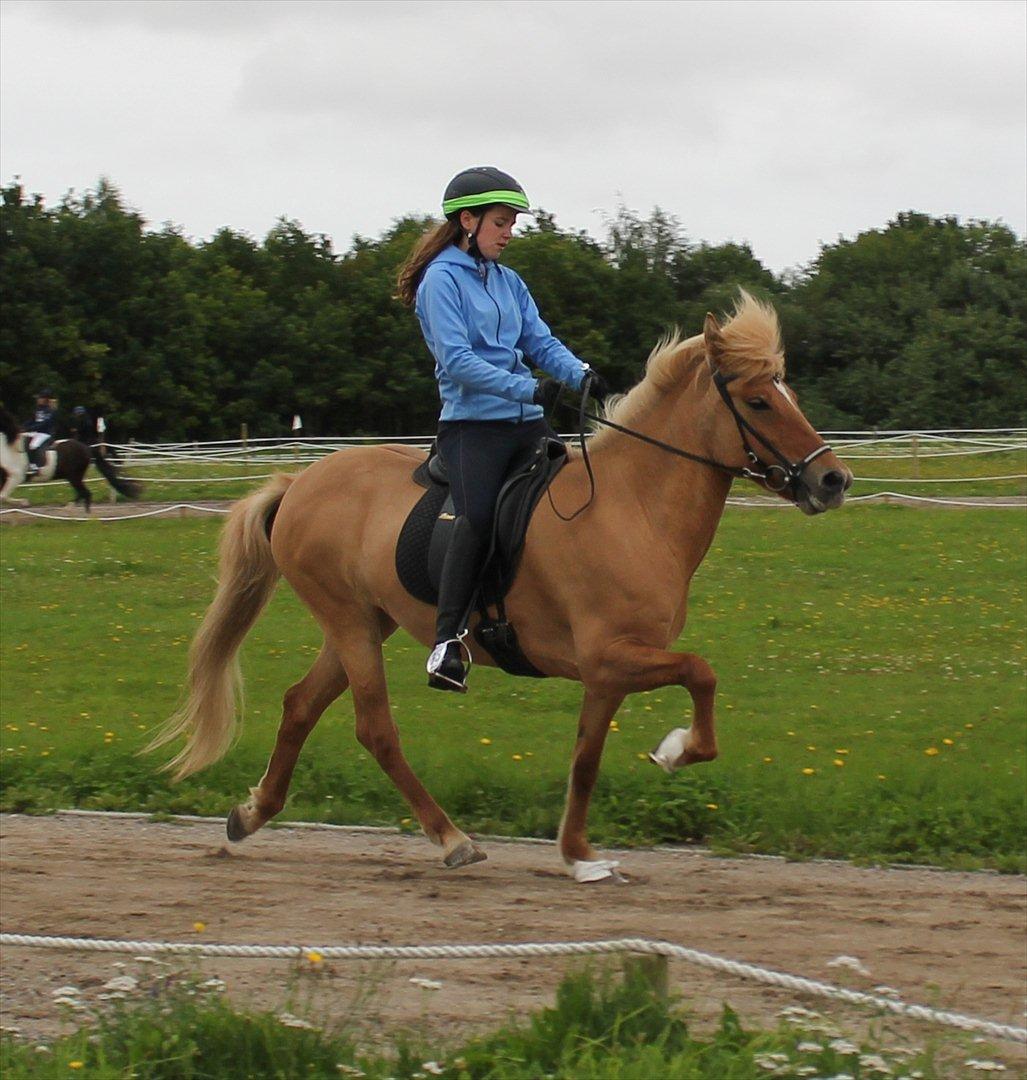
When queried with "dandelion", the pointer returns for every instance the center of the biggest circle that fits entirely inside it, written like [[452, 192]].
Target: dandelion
[[712, 806], [485, 742], [931, 751], [767, 760], [314, 958], [808, 772], [881, 776], [811, 748], [948, 742], [840, 750], [517, 757], [838, 761], [199, 927], [76, 1064]]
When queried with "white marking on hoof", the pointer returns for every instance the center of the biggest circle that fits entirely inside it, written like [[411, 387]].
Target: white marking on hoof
[[585, 872], [671, 749], [464, 854]]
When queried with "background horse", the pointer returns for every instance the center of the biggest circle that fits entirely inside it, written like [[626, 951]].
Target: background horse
[[597, 599], [66, 459]]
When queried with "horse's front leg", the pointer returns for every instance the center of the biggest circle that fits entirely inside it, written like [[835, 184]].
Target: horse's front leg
[[12, 481], [634, 667], [597, 710]]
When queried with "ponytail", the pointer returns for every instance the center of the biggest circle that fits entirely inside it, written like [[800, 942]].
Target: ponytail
[[431, 243]]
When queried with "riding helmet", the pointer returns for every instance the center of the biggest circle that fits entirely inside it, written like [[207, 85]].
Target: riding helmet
[[483, 186]]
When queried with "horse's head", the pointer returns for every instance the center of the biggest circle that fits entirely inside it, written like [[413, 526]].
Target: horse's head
[[759, 425]]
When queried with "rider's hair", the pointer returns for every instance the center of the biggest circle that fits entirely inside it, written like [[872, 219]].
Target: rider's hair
[[436, 239]]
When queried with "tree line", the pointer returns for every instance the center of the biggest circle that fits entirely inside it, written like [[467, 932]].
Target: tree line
[[919, 324]]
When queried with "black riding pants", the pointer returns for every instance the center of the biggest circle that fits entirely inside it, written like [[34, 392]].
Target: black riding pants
[[477, 456]]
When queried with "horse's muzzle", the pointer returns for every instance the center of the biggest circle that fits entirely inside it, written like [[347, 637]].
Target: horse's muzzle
[[823, 487]]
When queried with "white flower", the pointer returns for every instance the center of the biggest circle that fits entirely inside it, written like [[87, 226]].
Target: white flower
[[433, 1067], [807, 1070], [843, 1046], [850, 962], [874, 1063], [349, 1070], [809, 1048], [426, 984], [216, 985], [66, 991], [984, 1066], [41, 1049], [72, 1003], [124, 983], [288, 1020]]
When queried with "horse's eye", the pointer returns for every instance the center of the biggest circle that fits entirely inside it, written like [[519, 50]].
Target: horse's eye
[[757, 403]]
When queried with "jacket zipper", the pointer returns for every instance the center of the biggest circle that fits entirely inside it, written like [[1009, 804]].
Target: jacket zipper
[[484, 274]]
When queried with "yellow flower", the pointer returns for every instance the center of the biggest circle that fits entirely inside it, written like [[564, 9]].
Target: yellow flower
[[811, 748], [838, 750], [199, 927], [931, 751], [838, 761], [948, 742], [75, 1064], [808, 772], [767, 760], [712, 806], [314, 957], [517, 757], [881, 776], [485, 742]]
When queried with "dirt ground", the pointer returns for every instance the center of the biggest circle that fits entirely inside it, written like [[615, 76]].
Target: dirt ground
[[951, 940]]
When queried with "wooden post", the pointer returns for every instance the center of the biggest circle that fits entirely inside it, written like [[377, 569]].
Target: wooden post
[[244, 435], [916, 457], [654, 969]]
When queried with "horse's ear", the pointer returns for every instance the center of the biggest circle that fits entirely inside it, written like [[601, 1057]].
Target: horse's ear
[[713, 338]]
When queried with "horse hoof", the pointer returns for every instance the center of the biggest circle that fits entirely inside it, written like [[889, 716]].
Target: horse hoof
[[464, 854], [586, 872], [234, 826]]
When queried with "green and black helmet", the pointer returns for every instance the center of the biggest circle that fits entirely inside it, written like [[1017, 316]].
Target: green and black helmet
[[483, 186]]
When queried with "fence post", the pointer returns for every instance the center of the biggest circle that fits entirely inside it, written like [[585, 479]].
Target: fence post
[[244, 436], [916, 457], [652, 969]]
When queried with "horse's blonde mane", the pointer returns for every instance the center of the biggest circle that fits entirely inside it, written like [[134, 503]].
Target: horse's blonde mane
[[750, 346]]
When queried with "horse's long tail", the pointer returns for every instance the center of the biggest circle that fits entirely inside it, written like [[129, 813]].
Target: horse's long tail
[[131, 489], [246, 580]]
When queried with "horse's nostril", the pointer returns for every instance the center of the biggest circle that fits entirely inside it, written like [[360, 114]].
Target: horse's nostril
[[834, 480]]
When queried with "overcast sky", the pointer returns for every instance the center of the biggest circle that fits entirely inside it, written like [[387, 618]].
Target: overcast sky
[[782, 124]]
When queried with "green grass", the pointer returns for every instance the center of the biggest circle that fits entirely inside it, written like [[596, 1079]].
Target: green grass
[[213, 480], [598, 1027], [882, 648]]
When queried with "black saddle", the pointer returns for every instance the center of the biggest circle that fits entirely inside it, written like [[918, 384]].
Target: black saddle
[[424, 538]]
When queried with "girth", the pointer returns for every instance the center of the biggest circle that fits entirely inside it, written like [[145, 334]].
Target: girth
[[424, 538]]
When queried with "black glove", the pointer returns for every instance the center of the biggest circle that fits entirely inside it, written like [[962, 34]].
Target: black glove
[[598, 388], [547, 390]]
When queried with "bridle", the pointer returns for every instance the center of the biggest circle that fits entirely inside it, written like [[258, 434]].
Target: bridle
[[775, 477]]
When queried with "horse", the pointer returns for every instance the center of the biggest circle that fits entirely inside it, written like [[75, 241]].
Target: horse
[[597, 599], [66, 459]]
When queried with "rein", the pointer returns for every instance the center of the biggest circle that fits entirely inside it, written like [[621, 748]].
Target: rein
[[790, 472]]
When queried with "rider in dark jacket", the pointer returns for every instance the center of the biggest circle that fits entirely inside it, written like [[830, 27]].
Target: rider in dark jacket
[[41, 430]]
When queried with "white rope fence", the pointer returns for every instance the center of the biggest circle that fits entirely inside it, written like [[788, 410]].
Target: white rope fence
[[637, 946]]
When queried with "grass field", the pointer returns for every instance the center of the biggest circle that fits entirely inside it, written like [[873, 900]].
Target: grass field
[[871, 701]]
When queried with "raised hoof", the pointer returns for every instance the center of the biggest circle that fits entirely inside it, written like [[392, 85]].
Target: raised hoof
[[464, 854], [234, 826]]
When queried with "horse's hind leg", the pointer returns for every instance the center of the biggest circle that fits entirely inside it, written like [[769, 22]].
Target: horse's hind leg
[[376, 730], [302, 708], [82, 494]]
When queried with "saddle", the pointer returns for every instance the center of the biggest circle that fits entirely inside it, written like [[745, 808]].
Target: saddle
[[424, 538]]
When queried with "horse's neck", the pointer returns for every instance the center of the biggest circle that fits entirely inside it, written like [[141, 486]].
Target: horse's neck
[[681, 500]]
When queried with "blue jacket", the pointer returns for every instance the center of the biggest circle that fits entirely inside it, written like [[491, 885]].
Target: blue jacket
[[484, 329]]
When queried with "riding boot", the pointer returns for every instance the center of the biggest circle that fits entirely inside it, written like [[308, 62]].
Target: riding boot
[[459, 580]]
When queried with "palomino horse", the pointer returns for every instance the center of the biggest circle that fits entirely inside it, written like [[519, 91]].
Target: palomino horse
[[67, 459], [597, 599]]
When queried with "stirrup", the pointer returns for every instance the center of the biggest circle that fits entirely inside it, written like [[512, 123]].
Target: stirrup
[[451, 679]]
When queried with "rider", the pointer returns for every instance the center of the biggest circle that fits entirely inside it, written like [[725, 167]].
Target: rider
[[41, 430], [484, 330]]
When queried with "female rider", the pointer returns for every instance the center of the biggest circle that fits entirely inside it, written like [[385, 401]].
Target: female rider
[[484, 330]]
